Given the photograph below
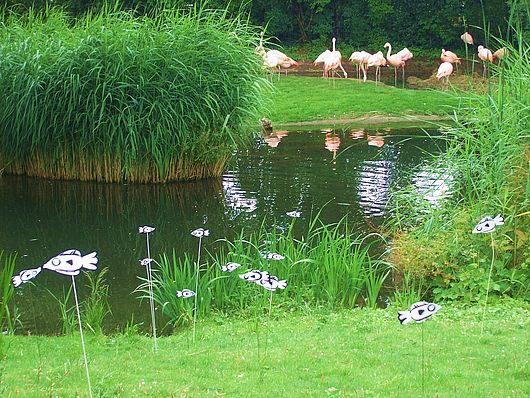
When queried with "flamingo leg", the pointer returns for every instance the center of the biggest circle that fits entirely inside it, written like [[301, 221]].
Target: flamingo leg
[[395, 76], [345, 74], [403, 70]]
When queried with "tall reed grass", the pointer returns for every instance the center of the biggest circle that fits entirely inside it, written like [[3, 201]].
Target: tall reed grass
[[114, 97], [488, 157], [328, 266]]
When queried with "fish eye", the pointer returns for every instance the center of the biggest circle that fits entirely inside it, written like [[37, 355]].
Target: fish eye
[[56, 261], [431, 307]]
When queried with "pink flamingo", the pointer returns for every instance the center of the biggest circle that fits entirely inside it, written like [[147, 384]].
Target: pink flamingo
[[444, 71], [405, 55], [276, 59], [333, 60], [377, 60], [396, 61], [500, 53], [486, 56], [321, 58], [360, 59], [449, 56], [467, 38]]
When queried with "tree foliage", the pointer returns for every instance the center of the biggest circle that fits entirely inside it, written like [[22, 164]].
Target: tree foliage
[[360, 23]]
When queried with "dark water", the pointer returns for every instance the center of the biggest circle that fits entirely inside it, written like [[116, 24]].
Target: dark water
[[345, 172]]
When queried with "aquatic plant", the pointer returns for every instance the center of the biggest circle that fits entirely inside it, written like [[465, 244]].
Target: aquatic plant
[[67, 311], [96, 306], [7, 262], [328, 266], [111, 97]]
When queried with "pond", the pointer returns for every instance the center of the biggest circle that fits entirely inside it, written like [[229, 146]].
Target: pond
[[343, 172]]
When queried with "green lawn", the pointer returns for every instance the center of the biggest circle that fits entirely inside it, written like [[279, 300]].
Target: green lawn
[[299, 98], [350, 353]]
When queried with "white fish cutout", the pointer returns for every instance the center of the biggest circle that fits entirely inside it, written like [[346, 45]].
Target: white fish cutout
[[185, 293], [200, 232], [229, 267], [145, 229], [254, 275], [488, 224], [272, 256], [25, 276], [419, 312], [145, 261], [71, 262], [294, 214], [272, 283]]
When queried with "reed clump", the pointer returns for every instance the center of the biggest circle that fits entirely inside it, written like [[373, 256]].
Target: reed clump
[[114, 97]]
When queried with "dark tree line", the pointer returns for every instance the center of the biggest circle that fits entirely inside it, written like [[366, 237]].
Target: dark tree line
[[361, 23]]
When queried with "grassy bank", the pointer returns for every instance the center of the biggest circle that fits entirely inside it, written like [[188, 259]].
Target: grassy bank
[[344, 354], [114, 97], [299, 98]]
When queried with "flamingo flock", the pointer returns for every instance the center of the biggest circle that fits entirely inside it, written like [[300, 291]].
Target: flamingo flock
[[331, 61]]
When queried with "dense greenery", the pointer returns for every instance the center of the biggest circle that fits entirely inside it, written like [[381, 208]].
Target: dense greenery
[[318, 354], [115, 97], [360, 23], [488, 161]]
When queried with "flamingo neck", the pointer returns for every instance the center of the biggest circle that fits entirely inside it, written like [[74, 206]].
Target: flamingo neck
[[334, 40], [389, 51]]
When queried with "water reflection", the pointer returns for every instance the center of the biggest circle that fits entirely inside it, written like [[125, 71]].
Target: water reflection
[[332, 142], [433, 185], [374, 181], [356, 134], [376, 140], [273, 138], [41, 218]]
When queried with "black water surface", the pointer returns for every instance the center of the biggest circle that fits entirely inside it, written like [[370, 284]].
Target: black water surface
[[343, 172]]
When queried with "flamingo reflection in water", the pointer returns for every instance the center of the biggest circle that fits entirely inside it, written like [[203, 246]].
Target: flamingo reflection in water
[[357, 134], [332, 143], [274, 138], [375, 140]]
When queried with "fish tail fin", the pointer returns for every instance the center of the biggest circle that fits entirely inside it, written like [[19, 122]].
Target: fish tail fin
[[17, 281], [404, 317], [90, 260], [499, 220], [282, 284]]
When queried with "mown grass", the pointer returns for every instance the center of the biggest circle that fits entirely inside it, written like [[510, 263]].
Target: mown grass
[[300, 98], [347, 353], [112, 97]]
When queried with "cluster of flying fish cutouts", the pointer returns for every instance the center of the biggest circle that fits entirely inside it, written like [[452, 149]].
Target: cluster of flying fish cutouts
[[261, 278]]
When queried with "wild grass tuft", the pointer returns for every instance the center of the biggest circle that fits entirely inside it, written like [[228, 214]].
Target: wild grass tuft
[[112, 97], [67, 311], [96, 306], [7, 264]]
